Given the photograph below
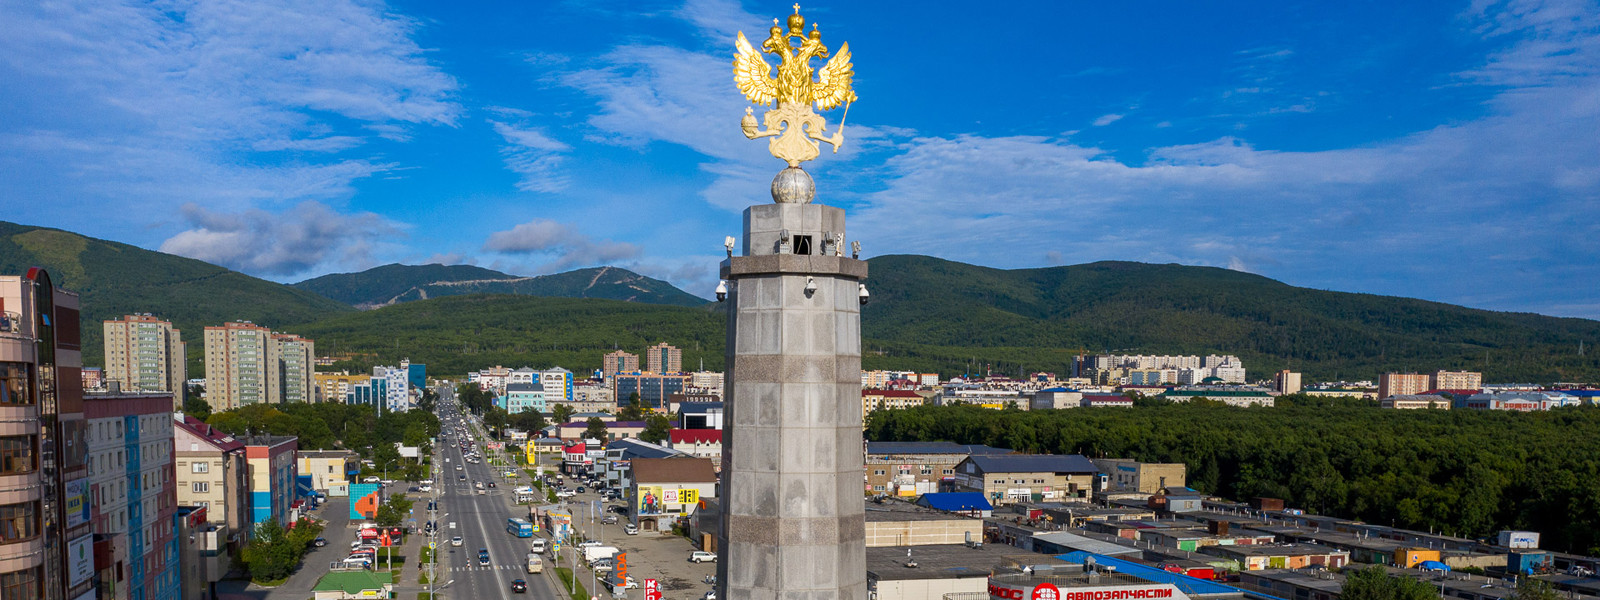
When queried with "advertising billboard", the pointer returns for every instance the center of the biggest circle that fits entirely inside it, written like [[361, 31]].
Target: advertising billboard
[[654, 499], [364, 500], [77, 501], [80, 560]]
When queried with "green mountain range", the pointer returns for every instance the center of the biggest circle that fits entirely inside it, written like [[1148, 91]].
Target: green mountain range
[[954, 316], [396, 283], [926, 314], [115, 279]]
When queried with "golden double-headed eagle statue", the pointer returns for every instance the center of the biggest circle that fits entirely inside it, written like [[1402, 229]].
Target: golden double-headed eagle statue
[[794, 127]]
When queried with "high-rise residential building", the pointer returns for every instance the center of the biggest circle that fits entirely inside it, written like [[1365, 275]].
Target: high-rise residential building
[[145, 354], [213, 474], [618, 362], [663, 358], [249, 364], [653, 388], [1404, 384], [557, 384], [47, 545], [294, 358], [132, 494], [1457, 380], [1286, 382]]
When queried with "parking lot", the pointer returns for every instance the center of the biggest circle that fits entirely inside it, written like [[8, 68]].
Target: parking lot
[[650, 555]]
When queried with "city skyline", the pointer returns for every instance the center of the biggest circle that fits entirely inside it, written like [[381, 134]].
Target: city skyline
[[1318, 146]]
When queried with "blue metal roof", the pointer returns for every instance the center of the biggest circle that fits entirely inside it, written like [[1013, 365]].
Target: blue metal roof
[[955, 501], [1189, 585], [698, 407], [1035, 463]]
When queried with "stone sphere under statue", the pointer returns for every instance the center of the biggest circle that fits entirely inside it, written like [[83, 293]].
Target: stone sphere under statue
[[793, 186]]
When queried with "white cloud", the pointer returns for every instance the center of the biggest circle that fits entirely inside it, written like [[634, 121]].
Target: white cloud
[[565, 248], [534, 155], [292, 242], [237, 103], [1107, 119]]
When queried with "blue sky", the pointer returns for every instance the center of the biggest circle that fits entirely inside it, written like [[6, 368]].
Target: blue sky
[[1441, 150]]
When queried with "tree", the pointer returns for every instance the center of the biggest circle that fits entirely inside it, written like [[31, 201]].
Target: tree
[[193, 406], [1374, 583], [633, 410], [1529, 588], [494, 419], [428, 400], [656, 429], [596, 430], [271, 555], [562, 413], [393, 511], [531, 421], [385, 457]]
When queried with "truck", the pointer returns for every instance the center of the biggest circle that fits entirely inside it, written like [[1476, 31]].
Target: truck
[[595, 553], [535, 565]]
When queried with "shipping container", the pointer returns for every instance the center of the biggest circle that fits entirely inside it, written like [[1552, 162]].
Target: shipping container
[[1530, 563], [1406, 558], [1518, 539]]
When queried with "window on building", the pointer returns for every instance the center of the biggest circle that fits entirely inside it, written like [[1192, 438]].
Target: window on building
[[202, 487], [19, 522], [26, 584], [200, 467], [949, 471], [14, 388], [877, 472], [16, 455]]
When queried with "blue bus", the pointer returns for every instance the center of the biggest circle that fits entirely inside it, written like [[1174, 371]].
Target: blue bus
[[519, 527]]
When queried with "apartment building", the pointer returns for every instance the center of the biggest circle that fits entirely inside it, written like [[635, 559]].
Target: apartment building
[[663, 358], [146, 354], [1456, 380], [212, 474], [249, 364], [132, 494], [331, 471], [47, 545], [1403, 384], [1010, 478], [618, 362], [270, 460], [875, 400], [337, 387], [1286, 382]]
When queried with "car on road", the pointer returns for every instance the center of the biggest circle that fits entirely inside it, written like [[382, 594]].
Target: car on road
[[566, 494], [491, 484], [630, 529], [701, 556], [463, 477], [456, 541], [413, 489], [426, 488], [580, 489], [519, 586], [319, 542], [483, 556], [372, 479]]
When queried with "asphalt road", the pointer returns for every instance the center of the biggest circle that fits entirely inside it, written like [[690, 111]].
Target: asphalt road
[[481, 522]]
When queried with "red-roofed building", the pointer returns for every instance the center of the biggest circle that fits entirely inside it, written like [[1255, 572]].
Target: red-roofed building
[[212, 473], [705, 443], [575, 457], [873, 400]]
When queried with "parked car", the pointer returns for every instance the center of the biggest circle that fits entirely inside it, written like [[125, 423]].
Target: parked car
[[372, 479], [589, 544], [609, 520], [630, 529], [701, 556], [319, 542]]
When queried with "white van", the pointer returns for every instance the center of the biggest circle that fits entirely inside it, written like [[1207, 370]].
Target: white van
[[538, 546]]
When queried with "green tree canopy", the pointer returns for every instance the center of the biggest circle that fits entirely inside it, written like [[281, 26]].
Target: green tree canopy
[[657, 428], [632, 410], [562, 413], [597, 430]]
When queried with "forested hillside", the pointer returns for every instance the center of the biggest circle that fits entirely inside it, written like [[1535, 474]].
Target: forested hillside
[[1464, 472], [392, 284], [457, 334], [951, 317], [117, 279]]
